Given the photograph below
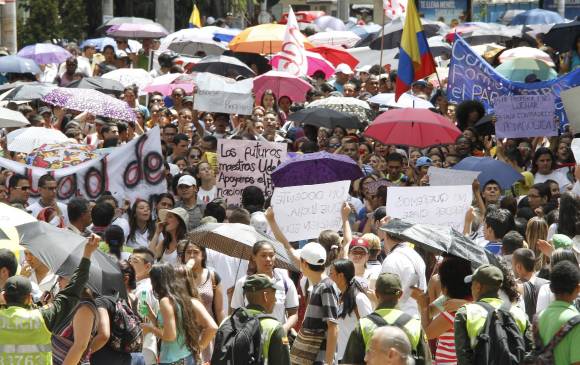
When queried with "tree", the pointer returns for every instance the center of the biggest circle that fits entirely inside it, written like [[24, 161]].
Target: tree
[[43, 22], [74, 20]]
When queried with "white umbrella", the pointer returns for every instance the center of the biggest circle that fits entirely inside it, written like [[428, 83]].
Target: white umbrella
[[11, 217], [526, 52], [130, 76], [405, 101], [12, 119], [27, 139], [344, 38], [191, 41]]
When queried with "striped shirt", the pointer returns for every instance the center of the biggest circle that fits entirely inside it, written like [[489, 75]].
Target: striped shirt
[[445, 353]]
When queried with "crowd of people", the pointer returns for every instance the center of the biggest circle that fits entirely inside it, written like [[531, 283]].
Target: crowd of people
[[358, 295]]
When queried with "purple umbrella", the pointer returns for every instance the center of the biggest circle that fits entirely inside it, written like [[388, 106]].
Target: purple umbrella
[[128, 30], [91, 101], [315, 168], [45, 53]]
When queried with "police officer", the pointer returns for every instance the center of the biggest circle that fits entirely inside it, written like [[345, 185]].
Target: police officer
[[470, 319], [388, 291], [25, 332]]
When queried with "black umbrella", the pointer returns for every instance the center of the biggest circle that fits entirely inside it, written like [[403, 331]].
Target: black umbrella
[[394, 31], [261, 62], [561, 36], [223, 65], [30, 91], [103, 85], [327, 118], [440, 239], [485, 126], [61, 250]]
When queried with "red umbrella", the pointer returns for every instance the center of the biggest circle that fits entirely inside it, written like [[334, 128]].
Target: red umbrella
[[413, 127], [336, 55]]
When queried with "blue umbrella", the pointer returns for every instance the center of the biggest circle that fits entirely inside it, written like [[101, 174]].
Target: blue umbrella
[[537, 16], [490, 169], [19, 65], [315, 168]]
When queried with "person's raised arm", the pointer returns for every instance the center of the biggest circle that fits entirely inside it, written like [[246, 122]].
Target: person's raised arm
[[155, 245], [475, 186], [346, 230], [270, 217]]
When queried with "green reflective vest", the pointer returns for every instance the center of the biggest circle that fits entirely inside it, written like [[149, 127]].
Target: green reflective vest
[[268, 326], [24, 337], [412, 328], [476, 316]]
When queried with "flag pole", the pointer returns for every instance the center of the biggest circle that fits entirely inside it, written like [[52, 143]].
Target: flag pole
[[382, 39]]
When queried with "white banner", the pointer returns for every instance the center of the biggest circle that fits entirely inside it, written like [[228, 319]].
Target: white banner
[[134, 170], [447, 177], [293, 55], [394, 8], [220, 94], [439, 205], [303, 211]]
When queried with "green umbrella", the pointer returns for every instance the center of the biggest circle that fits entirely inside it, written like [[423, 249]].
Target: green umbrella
[[518, 69]]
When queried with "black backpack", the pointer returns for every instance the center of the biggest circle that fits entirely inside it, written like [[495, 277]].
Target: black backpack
[[500, 342], [544, 355], [239, 340], [421, 355], [531, 292]]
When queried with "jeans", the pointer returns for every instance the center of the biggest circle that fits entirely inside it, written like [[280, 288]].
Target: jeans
[[190, 360], [137, 359]]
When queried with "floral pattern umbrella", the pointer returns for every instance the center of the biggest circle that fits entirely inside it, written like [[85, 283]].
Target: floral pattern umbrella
[[91, 101], [59, 155], [352, 106]]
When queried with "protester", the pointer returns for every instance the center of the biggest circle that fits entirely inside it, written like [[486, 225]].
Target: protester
[[171, 228]]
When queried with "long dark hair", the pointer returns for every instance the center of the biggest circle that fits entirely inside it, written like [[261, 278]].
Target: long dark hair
[[182, 248], [165, 285], [150, 225], [346, 267], [180, 233], [568, 214]]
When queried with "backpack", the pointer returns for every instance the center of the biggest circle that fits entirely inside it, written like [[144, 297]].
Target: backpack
[[500, 342], [126, 332], [544, 355], [531, 292], [421, 355], [239, 340]]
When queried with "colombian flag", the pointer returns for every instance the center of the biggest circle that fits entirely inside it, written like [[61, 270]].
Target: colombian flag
[[195, 18], [415, 59]]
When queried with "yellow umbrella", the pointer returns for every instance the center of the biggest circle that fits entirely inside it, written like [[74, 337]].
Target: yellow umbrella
[[263, 39]]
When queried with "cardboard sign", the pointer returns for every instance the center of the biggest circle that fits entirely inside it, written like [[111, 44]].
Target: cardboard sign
[[246, 163], [439, 205], [449, 177], [303, 211], [525, 116], [223, 95], [571, 98]]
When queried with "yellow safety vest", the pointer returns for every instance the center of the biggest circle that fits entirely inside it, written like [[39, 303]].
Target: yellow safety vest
[[24, 337], [412, 328], [476, 316]]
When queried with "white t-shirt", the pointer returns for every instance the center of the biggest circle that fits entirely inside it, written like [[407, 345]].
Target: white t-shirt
[[557, 176], [140, 239], [149, 341], [229, 269], [286, 295], [47, 282], [170, 258], [206, 196], [545, 297], [348, 324], [35, 208]]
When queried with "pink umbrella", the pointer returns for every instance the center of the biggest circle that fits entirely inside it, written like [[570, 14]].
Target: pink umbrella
[[133, 30], [282, 84], [315, 63], [165, 84]]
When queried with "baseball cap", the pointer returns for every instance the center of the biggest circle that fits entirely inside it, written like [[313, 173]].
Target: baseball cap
[[486, 274], [359, 242], [258, 282], [17, 287], [313, 253], [364, 69], [561, 241], [388, 283], [186, 180], [344, 68], [423, 161]]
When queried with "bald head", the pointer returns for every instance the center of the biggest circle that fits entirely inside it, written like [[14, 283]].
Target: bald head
[[389, 346]]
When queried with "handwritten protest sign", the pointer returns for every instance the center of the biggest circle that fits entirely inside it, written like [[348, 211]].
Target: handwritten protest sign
[[246, 163], [448, 177], [439, 205], [303, 211], [570, 99], [223, 95], [524, 116], [134, 170]]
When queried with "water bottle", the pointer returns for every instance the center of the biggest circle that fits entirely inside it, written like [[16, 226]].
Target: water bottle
[[143, 309]]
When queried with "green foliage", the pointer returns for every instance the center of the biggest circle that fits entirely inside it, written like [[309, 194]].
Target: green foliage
[[74, 20]]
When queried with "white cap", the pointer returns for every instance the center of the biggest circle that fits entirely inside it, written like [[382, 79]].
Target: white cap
[[313, 253], [365, 68], [186, 180], [210, 20], [344, 68]]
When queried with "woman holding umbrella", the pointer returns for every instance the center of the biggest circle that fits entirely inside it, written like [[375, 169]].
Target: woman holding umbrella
[[572, 60]]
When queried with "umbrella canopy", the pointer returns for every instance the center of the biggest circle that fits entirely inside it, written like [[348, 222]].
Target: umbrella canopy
[[518, 69], [101, 84], [315, 63], [45, 53], [344, 38], [282, 84], [133, 30], [60, 155], [165, 84], [12, 119], [508, 15], [405, 101], [62, 250], [440, 239], [263, 39], [192, 42], [352, 106], [31, 91], [321, 117], [123, 20], [11, 217], [236, 240], [27, 139], [100, 43], [91, 101], [221, 34], [490, 169], [336, 55], [19, 65], [413, 127], [498, 35], [329, 23], [392, 33], [224, 66], [537, 16], [315, 168], [485, 126], [130, 76], [526, 52], [561, 36]]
